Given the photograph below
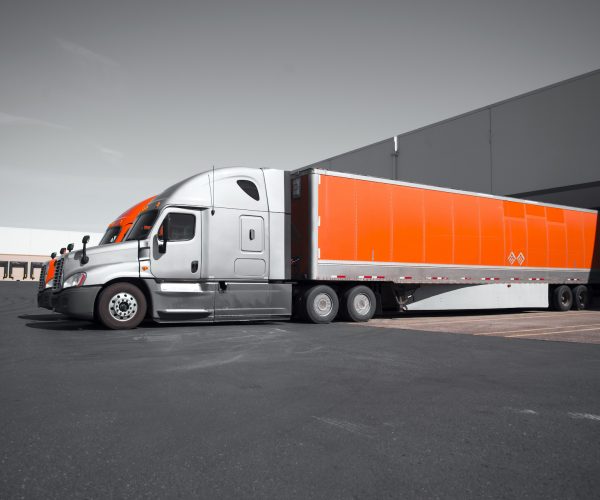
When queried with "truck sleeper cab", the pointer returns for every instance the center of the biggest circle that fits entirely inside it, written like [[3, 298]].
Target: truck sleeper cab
[[252, 244], [210, 248], [116, 231]]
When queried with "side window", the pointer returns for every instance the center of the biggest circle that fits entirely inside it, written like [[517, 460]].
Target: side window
[[249, 188], [182, 227]]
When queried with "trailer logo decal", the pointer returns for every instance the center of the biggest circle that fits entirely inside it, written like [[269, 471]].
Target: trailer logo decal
[[512, 258]]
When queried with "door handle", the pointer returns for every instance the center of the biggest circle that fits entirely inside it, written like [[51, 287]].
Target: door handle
[[252, 234], [194, 266]]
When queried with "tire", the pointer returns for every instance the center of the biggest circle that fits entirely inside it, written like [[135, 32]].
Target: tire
[[121, 306], [321, 304], [581, 298], [359, 303], [562, 298]]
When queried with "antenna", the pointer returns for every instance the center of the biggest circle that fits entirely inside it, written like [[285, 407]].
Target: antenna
[[212, 194]]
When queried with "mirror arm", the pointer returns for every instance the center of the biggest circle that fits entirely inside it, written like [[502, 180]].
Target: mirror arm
[[163, 248]]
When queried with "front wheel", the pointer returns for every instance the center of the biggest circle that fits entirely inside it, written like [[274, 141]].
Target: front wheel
[[121, 306]]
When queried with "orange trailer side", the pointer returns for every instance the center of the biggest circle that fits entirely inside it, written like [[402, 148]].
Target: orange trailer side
[[370, 221]]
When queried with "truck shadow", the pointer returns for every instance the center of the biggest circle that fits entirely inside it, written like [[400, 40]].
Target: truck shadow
[[43, 317], [58, 322], [66, 325]]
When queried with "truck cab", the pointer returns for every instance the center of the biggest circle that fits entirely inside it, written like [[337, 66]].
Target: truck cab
[[214, 247], [116, 231]]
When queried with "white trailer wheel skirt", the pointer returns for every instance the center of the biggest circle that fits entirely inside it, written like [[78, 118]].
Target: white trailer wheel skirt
[[492, 296]]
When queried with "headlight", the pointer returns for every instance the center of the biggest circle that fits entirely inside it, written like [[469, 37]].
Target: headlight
[[50, 283], [75, 280]]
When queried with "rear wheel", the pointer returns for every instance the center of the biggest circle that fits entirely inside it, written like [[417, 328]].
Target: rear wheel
[[121, 306], [562, 298], [581, 297], [321, 304], [359, 303]]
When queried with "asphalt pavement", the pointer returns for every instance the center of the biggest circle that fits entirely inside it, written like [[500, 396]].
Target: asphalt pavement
[[289, 410]]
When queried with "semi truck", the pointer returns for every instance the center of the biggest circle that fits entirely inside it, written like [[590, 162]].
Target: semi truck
[[114, 233], [260, 244]]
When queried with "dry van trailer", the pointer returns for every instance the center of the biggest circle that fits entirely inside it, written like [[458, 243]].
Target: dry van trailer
[[418, 247]]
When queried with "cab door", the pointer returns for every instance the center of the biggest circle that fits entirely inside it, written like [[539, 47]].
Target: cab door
[[179, 257], [180, 294]]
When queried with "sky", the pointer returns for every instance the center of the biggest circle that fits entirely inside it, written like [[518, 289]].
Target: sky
[[104, 103]]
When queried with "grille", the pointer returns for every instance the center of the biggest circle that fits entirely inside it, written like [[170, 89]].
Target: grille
[[58, 273], [43, 271]]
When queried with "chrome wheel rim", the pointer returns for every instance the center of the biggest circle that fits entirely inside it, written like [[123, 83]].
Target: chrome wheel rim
[[122, 306], [323, 305], [362, 304]]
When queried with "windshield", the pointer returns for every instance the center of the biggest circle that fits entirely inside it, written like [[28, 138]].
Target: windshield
[[111, 235], [142, 225]]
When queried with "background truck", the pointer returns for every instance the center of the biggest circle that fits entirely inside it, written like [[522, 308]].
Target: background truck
[[115, 233], [247, 244]]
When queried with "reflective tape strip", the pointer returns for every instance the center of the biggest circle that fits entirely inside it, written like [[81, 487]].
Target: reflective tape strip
[[404, 277], [437, 278], [338, 277], [490, 279], [536, 279], [370, 277], [515, 279]]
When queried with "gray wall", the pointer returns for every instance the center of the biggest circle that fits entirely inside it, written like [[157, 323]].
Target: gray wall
[[375, 160], [454, 153], [544, 145]]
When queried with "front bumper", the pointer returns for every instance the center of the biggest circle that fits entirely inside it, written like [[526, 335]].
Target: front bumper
[[77, 302], [44, 299]]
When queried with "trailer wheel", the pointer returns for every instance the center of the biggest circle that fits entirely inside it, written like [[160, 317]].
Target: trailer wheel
[[321, 304], [562, 298], [581, 297], [359, 303], [121, 306]]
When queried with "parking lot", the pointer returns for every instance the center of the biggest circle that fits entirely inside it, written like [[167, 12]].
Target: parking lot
[[570, 326], [467, 405]]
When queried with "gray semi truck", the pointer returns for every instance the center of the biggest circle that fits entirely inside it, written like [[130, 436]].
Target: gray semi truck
[[259, 244]]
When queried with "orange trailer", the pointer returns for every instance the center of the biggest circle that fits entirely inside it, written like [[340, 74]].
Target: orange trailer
[[351, 228]]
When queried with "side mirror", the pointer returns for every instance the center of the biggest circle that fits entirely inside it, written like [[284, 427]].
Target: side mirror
[[70, 247], [53, 255], [84, 258], [63, 250], [162, 247]]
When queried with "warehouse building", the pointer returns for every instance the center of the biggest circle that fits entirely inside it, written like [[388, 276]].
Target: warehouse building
[[23, 251], [543, 146]]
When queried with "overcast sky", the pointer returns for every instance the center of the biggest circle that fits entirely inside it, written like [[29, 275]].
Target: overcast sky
[[104, 103]]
